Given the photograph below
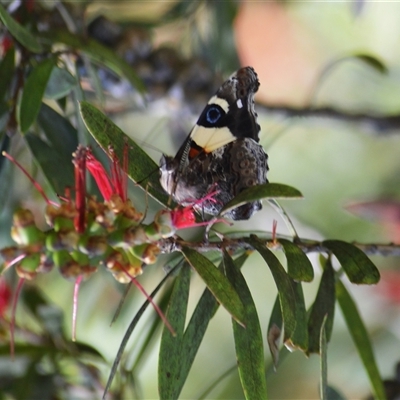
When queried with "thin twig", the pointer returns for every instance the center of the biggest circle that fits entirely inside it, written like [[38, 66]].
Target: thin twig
[[307, 245]]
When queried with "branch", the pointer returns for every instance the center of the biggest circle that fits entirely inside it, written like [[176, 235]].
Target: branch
[[378, 123], [306, 245]]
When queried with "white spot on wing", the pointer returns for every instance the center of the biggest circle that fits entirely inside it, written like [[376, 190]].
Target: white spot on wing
[[211, 139], [239, 103], [221, 102]]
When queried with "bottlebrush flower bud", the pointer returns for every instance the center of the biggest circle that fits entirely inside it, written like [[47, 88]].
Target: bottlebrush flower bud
[[93, 245], [122, 268], [28, 266], [147, 252], [24, 231]]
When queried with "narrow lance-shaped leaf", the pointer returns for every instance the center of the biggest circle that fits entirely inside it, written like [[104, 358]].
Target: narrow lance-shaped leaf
[[361, 339], [49, 161], [150, 337], [60, 84], [323, 383], [298, 265], [7, 71], [33, 92], [333, 394], [61, 134], [141, 168], [129, 331], [20, 33], [197, 326], [283, 283], [217, 283], [274, 332], [258, 192], [299, 338], [248, 341], [324, 305], [357, 266], [97, 52], [171, 348]]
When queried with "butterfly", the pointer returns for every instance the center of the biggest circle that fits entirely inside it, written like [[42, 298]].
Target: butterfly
[[221, 153]]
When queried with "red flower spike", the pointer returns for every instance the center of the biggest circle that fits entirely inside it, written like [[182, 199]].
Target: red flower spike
[[118, 173], [183, 218], [100, 175], [118, 182], [80, 188], [13, 312], [5, 297]]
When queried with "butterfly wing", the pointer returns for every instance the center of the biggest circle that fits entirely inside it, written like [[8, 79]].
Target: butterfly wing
[[222, 150]]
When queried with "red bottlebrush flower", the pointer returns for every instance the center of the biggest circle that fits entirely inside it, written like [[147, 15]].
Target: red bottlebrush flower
[[5, 297], [118, 172], [100, 175], [183, 218], [80, 188], [117, 183]]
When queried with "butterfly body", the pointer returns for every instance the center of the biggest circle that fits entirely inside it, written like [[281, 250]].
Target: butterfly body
[[222, 152]]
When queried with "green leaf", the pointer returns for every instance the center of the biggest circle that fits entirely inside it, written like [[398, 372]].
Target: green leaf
[[61, 134], [361, 339], [298, 265], [7, 71], [274, 332], [217, 283], [60, 84], [129, 331], [32, 94], [334, 394], [371, 61], [324, 305], [323, 383], [258, 192], [99, 53], [141, 168], [248, 341], [197, 326], [59, 172], [357, 266], [283, 283], [171, 352], [19, 32], [299, 338], [150, 335]]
